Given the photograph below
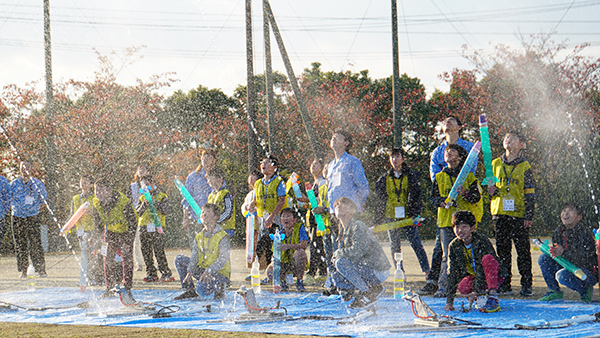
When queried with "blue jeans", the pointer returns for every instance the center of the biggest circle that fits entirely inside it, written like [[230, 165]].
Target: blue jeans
[[436, 259], [203, 289], [446, 236], [412, 233], [554, 273], [351, 276]]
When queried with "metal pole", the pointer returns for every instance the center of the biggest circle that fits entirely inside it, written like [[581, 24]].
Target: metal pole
[[269, 83], [251, 93], [50, 159], [294, 82], [397, 110]]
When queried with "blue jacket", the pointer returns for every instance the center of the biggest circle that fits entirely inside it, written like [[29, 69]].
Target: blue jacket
[[5, 196], [346, 178], [198, 187], [27, 198]]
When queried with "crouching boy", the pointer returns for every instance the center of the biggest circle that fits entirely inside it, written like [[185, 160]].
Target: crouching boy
[[293, 256], [209, 263], [360, 262], [474, 268], [575, 242]]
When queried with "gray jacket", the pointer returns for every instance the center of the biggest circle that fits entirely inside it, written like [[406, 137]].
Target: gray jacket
[[359, 246]]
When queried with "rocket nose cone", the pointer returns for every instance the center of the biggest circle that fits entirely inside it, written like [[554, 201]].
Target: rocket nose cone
[[482, 119]]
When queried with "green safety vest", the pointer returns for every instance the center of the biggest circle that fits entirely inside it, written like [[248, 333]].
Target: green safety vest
[[445, 182], [269, 203], [517, 189], [86, 222], [146, 217], [115, 221], [217, 198], [208, 252]]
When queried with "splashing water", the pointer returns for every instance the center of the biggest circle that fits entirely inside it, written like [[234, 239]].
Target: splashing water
[[581, 154]]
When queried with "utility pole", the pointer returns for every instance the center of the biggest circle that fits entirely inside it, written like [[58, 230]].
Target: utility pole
[[306, 120], [273, 149], [251, 93], [397, 110], [50, 159]]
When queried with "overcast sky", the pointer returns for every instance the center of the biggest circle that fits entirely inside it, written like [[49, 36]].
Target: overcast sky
[[203, 42]]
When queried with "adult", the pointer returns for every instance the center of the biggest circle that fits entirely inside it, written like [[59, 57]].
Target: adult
[[451, 127], [28, 198]]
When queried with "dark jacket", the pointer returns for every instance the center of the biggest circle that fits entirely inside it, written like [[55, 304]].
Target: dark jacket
[[458, 264], [358, 244], [579, 244], [414, 204]]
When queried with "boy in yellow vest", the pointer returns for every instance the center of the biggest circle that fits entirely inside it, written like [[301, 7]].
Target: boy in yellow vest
[[115, 220], [469, 198], [91, 265], [222, 198], [293, 256], [209, 263], [151, 235], [512, 207]]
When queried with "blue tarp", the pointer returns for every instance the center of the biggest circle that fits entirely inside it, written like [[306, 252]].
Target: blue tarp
[[192, 314]]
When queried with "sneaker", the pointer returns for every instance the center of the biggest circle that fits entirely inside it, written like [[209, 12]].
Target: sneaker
[[428, 289], [368, 297], [248, 278], [332, 291], [284, 286], [189, 293], [42, 275], [107, 294], [552, 295], [440, 294], [150, 279], [300, 285], [526, 291], [23, 275], [587, 296], [491, 305], [264, 282], [167, 279], [505, 290]]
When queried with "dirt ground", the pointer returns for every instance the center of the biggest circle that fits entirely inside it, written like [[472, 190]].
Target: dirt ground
[[63, 271]]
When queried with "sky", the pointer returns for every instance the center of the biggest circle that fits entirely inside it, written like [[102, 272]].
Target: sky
[[203, 41]]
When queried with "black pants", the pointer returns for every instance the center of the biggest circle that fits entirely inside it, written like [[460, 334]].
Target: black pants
[[124, 243], [153, 246], [317, 253], [510, 229], [28, 243]]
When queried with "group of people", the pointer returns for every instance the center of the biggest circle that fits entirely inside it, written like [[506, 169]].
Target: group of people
[[344, 253]]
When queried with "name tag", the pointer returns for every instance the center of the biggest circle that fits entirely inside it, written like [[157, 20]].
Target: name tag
[[336, 180], [508, 204], [104, 249], [150, 227], [400, 212], [80, 232], [29, 200]]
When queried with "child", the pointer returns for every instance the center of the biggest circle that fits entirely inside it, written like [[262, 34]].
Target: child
[[318, 259], [223, 198], [360, 262], [91, 271], [209, 263], [293, 256], [512, 206], [474, 267], [151, 236], [574, 242], [469, 198], [270, 198], [114, 216], [248, 207], [398, 193]]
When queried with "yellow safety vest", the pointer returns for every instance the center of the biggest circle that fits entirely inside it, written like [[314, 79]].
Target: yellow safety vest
[[393, 201], [217, 198], [146, 217], [115, 221], [86, 222], [208, 252], [322, 201], [445, 182], [266, 198], [517, 187]]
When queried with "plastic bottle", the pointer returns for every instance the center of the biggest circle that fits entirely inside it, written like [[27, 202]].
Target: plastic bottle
[[276, 262], [255, 276], [31, 278], [399, 277]]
